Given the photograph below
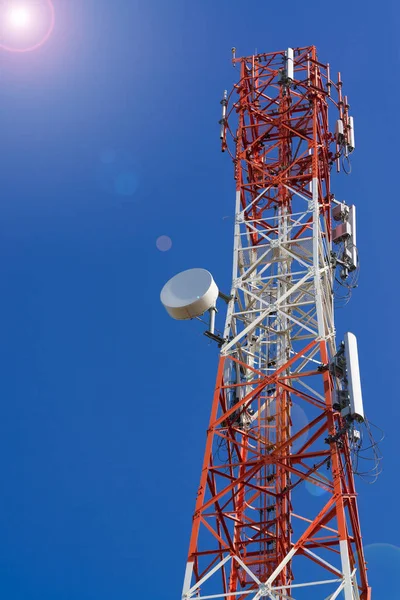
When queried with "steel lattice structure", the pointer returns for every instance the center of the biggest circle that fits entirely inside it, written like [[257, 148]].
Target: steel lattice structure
[[254, 533]]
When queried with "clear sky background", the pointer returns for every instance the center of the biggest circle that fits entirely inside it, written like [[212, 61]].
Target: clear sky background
[[110, 139]]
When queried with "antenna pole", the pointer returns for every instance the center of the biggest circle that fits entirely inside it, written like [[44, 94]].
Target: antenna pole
[[212, 312]]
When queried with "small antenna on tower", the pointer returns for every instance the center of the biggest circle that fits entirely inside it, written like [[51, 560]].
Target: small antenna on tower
[[234, 56]]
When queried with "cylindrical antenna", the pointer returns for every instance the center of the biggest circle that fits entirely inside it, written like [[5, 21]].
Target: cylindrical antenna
[[289, 60], [212, 312], [328, 79], [224, 103], [352, 140]]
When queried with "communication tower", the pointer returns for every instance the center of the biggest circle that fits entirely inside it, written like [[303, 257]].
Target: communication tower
[[257, 531]]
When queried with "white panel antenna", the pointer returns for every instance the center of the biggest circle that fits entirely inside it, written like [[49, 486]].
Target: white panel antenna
[[353, 239], [352, 139], [339, 131], [353, 377], [290, 64]]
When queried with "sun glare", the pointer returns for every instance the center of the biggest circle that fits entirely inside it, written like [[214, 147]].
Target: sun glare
[[19, 17], [25, 25]]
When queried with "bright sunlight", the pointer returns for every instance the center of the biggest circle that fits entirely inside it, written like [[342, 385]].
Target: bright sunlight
[[19, 17]]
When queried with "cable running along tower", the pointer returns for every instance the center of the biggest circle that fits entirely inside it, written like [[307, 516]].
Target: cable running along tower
[[257, 530]]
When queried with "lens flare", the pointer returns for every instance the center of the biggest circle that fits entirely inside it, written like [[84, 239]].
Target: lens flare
[[164, 243], [25, 25]]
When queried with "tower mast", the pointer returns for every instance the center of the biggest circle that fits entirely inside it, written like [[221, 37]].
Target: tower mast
[[256, 533]]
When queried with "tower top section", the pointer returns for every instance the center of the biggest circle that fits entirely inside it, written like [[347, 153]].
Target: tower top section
[[274, 98]]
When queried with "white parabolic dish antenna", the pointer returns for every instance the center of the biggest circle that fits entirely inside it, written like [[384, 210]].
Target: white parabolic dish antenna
[[189, 294]]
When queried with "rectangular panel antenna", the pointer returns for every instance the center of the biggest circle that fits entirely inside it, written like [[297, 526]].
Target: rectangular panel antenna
[[353, 240], [353, 377], [289, 64]]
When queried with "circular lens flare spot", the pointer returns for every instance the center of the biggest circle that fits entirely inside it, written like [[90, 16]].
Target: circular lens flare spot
[[25, 25], [108, 156], [383, 562], [164, 243], [125, 183], [314, 489], [299, 421]]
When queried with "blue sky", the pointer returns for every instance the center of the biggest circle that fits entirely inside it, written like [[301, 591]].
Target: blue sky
[[110, 138]]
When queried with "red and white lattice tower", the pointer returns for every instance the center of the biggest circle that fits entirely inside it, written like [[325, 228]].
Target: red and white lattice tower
[[257, 532]]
